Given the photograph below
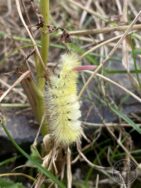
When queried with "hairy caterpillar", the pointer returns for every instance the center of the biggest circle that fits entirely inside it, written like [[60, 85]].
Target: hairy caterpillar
[[62, 102]]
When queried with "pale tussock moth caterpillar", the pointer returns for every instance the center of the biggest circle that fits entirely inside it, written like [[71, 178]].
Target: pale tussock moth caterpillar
[[63, 108]]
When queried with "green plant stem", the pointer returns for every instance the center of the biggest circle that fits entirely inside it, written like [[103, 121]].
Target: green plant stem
[[44, 7], [35, 92]]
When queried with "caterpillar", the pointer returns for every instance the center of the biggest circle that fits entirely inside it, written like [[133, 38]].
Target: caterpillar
[[63, 108]]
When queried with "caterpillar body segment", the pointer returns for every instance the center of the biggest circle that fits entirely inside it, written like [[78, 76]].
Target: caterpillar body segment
[[63, 108]]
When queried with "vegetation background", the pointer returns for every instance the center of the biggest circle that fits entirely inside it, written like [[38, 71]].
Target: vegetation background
[[104, 33]]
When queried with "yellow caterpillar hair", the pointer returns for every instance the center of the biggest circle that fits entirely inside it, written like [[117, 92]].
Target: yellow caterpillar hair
[[62, 102]]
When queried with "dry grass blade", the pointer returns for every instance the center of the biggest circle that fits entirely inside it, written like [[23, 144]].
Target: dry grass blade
[[101, 44], [69, 173], [95, 125], [110, 54], [29, 33], [17, 174], [15, 90], [103, 30], [84, 14], [88, 10], [23, 76], [118, 85]]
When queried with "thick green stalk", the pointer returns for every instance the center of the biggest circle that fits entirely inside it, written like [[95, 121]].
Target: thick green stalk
[[44, 7]]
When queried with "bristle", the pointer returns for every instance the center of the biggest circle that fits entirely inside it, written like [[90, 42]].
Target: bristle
[[62, 103]]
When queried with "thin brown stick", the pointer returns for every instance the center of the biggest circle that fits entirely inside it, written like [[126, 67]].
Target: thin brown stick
[[103, 30]]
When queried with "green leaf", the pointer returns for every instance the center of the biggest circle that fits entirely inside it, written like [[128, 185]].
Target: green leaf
[[33, 161], [136, 51], [125, 118], [6, 183]]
